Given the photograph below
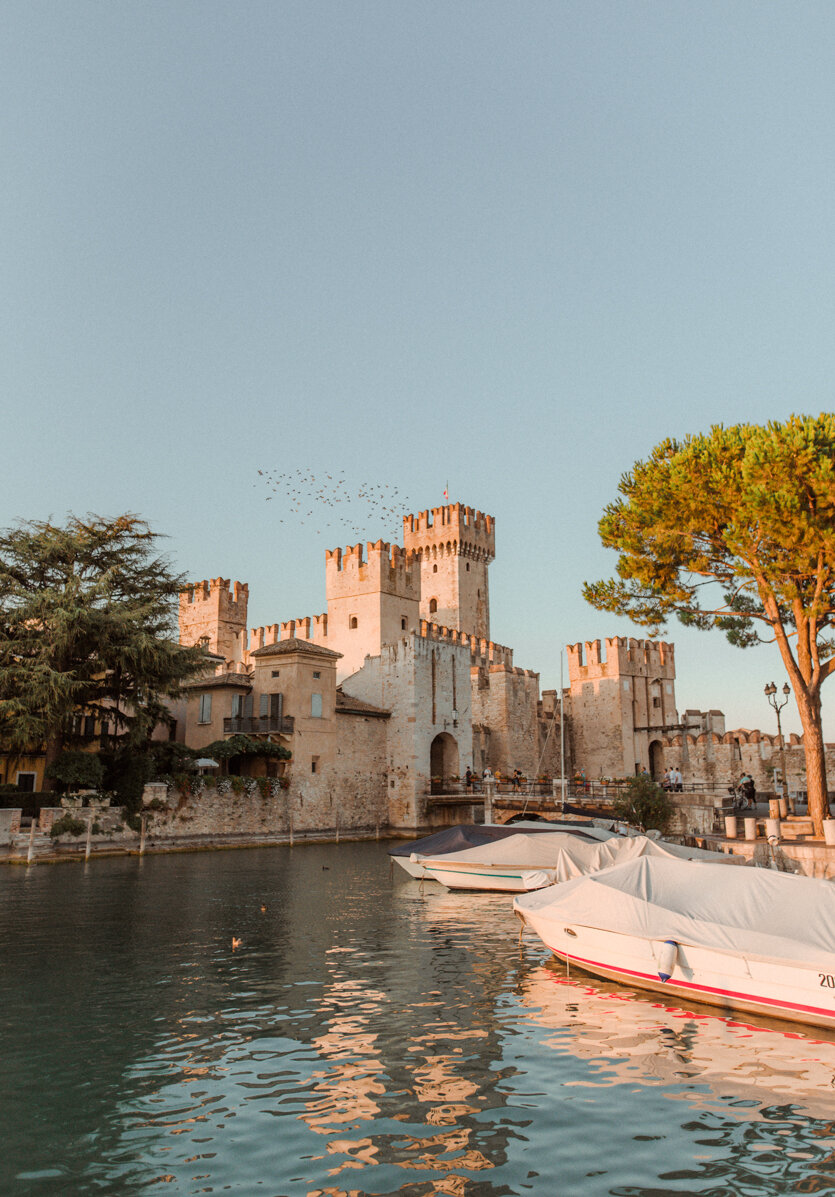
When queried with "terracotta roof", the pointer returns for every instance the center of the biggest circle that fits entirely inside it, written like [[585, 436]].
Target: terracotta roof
[[346, 704], [241, 681], [294, 646]]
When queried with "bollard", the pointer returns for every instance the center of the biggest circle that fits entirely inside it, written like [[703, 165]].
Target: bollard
[[774, 808], [730, 827], [89, 838], [829, 832], [784, 807], [772, 828], [31, 852], [750, 828], [142, 825]]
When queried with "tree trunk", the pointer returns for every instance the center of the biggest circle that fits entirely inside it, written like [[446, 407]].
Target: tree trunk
[[815, 761], [54, 748]]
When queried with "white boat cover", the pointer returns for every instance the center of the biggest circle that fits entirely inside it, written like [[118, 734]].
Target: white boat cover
[[465, 835], [749, 912], [570, 855]]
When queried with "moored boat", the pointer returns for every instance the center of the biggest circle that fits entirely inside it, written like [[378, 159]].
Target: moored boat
[[469, 835], [743, 939], [525, 862]]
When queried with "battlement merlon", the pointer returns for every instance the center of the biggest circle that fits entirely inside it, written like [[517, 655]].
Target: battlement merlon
[[482, 652], [216, 589], [380, 568], [471, 531], [623, 657]]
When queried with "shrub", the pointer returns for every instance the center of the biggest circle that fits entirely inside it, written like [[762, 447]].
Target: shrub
[[67, 825], [644, 804], [77, 771]]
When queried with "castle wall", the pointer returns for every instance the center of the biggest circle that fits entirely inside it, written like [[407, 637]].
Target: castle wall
[[716, 761], [505, 700], [425, 683]]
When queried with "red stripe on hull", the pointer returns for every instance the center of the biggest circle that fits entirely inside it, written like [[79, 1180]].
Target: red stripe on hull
[[760, 1003]]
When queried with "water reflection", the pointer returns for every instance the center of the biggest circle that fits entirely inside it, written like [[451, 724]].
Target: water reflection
[[368, 1037]]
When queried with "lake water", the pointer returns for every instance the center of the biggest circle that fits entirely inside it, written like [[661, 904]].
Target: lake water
[[367, 1036]]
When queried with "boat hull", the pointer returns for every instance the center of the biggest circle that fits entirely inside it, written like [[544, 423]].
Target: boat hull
[[491, 878], [793, 992]]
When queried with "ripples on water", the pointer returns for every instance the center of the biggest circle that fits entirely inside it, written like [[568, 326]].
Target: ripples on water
[[367, 1037]]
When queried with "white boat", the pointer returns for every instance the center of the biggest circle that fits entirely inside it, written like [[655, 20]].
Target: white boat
[[525, 862], [466, 835], [746, 940]]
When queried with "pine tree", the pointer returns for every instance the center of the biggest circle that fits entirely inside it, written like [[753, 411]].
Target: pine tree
[[735, 530], [87, 624]]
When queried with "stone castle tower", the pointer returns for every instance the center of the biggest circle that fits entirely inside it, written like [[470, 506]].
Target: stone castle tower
[[211, 612], [372, 600], [454, 545], [622, 703]]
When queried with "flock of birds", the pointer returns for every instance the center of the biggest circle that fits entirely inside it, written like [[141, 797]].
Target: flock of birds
[[332, 502]]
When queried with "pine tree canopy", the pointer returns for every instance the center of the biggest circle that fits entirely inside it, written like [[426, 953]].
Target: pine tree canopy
[[87, 625], [735, 530]]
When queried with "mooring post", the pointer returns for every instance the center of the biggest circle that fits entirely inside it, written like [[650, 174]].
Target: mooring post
[[142, 825], [89, 838], [31, 852]]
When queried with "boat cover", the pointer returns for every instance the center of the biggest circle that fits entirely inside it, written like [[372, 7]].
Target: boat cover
[[750, 912], [466, 835], [570, 855]]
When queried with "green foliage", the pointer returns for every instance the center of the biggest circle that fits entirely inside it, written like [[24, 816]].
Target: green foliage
[[67, 825], [87, 624], [77, 771], [735, 530], [240, 745], [644, 804], [238, 785], [170, 756], [126, 770], [8, 787]]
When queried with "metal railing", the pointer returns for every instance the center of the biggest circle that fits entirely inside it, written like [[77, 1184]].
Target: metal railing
[[248, 725]]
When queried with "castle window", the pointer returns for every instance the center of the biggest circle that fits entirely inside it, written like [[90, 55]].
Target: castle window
[[434, 569], [403, 623], [316, 673], [468, 567], [656, 702], [205, 712], [314, 764], [316, 706], [276, 673], [433, 606], [352, 622]]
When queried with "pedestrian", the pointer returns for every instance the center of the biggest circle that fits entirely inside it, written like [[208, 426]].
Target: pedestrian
[[665, 781], [517, 780], [468, 779], [677, 780]]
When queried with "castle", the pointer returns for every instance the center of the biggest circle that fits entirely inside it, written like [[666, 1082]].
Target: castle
[[396, 684], [397, 689]]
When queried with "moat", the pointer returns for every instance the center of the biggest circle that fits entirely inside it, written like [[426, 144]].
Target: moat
[[364, 1036]]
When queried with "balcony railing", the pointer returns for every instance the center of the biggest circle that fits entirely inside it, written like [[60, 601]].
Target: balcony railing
[[248, 725]]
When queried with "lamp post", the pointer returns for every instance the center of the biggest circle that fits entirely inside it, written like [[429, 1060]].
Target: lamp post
[[770, 692]]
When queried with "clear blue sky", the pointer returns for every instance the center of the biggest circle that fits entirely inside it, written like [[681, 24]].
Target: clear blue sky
[[506, 245]]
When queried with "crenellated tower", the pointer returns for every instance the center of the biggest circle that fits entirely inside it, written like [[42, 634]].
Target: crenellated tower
[[623, 702], [454, 545], [212, 612], [373, 599]]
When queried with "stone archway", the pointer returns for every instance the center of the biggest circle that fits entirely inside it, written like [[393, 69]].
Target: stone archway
[[443, 758], [656, 760]]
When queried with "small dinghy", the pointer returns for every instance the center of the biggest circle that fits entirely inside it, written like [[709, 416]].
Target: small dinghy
[[744, 939]]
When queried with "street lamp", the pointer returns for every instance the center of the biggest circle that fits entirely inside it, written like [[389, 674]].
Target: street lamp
[[770, 692]]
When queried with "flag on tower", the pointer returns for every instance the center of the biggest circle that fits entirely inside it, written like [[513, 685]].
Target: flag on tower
[[446, 492]]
